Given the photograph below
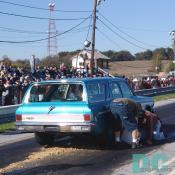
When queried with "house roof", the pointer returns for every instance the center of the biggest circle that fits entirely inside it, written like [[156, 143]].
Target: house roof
[[87, 54]]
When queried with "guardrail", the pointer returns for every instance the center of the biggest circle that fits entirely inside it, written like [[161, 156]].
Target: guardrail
[[7, 113], [154, 92]]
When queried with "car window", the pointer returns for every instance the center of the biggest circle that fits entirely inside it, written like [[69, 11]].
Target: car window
[[75, 92], [56, 92], [125, 89], [115, 90], [96, 92]]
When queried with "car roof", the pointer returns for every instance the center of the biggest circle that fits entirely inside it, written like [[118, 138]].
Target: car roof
[[76, 80]]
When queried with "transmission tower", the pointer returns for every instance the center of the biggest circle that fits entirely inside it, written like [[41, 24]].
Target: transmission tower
[[52, 32]]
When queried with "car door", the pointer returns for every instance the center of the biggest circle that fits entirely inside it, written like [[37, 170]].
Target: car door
[[96, 94]]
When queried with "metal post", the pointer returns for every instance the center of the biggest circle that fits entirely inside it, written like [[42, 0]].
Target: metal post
[[32, 63], [174, 55], [173, 47], [93, 61]]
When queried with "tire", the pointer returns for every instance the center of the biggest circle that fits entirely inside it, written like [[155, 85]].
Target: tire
[[106, 139], [44, 138]]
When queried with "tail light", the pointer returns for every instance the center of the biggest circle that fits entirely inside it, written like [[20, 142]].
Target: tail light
[[18, 117], [87, 117]]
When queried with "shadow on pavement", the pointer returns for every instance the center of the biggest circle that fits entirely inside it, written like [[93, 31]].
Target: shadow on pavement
[[47, 169]]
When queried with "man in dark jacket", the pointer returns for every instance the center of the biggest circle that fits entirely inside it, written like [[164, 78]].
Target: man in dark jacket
[[2, 89], [9, 95]]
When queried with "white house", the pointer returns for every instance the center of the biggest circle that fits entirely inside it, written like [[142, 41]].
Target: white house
[[82, 59]]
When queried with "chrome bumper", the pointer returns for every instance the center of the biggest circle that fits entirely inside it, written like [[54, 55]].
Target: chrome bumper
[[63, 127]]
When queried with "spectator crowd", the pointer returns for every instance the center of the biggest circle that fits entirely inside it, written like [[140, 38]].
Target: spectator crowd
[[15, 81], [151, 82]]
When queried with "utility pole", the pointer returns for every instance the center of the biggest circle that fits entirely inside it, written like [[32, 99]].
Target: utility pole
[[173, 47], [93, 62], [33, 63]]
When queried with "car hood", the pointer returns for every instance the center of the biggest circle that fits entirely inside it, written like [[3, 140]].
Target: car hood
[[144, 100]]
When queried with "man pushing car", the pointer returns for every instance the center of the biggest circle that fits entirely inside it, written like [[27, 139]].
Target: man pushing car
[[131, 113]]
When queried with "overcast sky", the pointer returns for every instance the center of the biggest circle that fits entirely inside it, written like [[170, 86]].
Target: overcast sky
[[134, 25]]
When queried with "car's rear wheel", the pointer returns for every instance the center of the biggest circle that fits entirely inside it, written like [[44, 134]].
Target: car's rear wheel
[[107, 138], [45, 138]]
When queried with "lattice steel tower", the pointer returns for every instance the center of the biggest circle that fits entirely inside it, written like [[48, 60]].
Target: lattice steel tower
[[52, 32]]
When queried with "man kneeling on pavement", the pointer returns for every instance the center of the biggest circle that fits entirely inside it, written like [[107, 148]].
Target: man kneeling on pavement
[[132, 117]]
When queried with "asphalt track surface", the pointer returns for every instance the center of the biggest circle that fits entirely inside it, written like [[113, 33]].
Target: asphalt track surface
[[21, 155]]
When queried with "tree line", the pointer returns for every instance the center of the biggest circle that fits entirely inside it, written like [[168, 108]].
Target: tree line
[[160, 53], [156, 55]]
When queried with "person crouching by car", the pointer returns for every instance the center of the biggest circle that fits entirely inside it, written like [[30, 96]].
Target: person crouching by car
[[128, 111], [148, 120]]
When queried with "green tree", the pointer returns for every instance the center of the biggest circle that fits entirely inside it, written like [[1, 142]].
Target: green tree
[[146, 55], [125, 56], [157, 61], [119, 56], [169, 53], [22, 63], [170, 67], [50, 60], [109, 53], [6, 60], [56, 60], [162, 52]]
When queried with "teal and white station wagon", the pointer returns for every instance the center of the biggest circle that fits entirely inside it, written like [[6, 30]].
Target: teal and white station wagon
[[72, 106]]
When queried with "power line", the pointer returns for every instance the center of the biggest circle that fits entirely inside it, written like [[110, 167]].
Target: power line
[[104, 35], [130, 42], [39, 8], [6, 29], [127, 33], [43, 39], [144, 29], [40, 18], [78, 30]]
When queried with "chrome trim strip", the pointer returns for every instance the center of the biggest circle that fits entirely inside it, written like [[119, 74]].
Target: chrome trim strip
[[52, 124]]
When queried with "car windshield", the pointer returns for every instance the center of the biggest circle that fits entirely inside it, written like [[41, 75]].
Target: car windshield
[[55, 92]]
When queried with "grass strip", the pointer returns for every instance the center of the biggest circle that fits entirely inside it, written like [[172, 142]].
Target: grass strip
[[164, 97], [7, 126]]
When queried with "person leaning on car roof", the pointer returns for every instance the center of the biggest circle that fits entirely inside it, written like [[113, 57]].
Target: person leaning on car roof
[[133, 117]]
